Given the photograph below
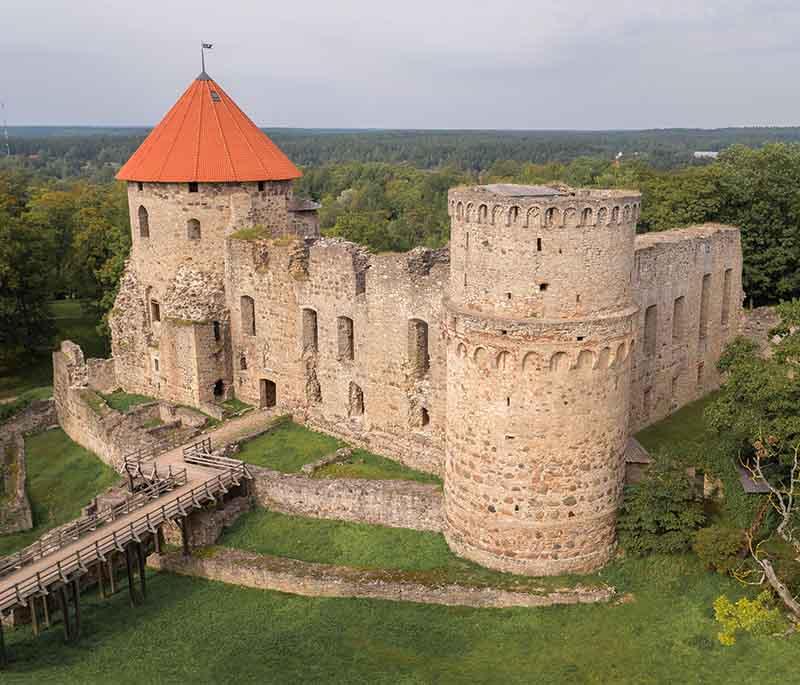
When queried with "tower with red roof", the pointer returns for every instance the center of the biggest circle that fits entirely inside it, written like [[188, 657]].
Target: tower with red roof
[[204, 173]]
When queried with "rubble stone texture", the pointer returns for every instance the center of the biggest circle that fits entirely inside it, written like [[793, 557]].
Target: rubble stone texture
[[515, 363]]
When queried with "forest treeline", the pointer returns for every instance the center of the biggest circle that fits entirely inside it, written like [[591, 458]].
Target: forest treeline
[[70, 236], [96, 152]]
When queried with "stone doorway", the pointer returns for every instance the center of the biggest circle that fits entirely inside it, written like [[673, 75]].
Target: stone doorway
[[269, 394]]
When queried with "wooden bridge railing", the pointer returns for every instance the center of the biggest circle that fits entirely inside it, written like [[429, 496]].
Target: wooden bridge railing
[[78, 562], [200, 454], [66, 535]]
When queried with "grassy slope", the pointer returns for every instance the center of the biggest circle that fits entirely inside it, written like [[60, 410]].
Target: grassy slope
[[287, 448], [71, 324], [290, 446], [424, 555], [62, 478], [364, 464], [197, 631], [682, 432]]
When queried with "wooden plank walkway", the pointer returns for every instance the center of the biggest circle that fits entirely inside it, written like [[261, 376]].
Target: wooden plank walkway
[[203, 484]]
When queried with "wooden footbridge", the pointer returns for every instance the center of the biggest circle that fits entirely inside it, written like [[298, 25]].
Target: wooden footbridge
[[163, 488]]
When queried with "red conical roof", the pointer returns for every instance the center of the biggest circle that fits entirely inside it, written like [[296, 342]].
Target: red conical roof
[[205, 137]]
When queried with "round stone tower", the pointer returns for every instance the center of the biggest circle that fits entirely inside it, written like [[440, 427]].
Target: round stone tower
[[539, 325]]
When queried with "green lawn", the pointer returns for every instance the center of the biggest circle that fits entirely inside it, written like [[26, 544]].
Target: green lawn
[[683, 432], [123, 401], [424, 555], [62, 478], [289, 446], [71, 323], [364, 464], [195, 631]]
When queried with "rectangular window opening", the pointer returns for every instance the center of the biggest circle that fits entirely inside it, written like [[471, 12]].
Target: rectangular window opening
[[155, 310], [193, 187], [678, 320], [344, 331], [418, 347], [726, 296], [650, 330], [704, 297]]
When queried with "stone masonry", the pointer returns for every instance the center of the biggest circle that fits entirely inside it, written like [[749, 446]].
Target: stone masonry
[[515, 363]]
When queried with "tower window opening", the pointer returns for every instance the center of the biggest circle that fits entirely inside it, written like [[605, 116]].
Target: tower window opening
[[538, 244], [726, 296], [215, 96], [678, 319], [140, 186], [543, 286], [193, 187], [355, 401], [310, 336], [219, 389], [425, 417], [144, 223], [261, 186], [243, 363], [155, 310], [508, 296], [155, 364], [248, 307], [344, 334], [217, 331], [418, 347], [650, 330], [508, 401], [704, 297], [193, 229]]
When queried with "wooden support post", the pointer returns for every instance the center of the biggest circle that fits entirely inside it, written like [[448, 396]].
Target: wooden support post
[[34, 615], [157, 539], [3, 660], [76, 601], [141, 558], [46, 603], [62, 601], [129, 568], [112, 577], [100, 580], [185, 536]]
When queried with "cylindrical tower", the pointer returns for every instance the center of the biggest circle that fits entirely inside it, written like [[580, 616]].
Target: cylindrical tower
[[539, 322]]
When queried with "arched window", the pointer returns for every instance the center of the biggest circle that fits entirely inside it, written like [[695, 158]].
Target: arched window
[[586, 217], [418, 347], [248, 315], [551, 217], [513, 215], [144, 223], [615, 215], [193, 229], [483, 213]]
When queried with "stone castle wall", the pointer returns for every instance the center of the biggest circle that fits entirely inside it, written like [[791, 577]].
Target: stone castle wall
[[681, 331], [332, 332], [393, 503]]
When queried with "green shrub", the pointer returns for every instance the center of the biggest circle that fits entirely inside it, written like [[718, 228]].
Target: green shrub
[[718, 547], [660, 514], [756, 616]]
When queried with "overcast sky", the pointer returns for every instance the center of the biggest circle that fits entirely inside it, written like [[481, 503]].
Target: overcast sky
[[525, 64]]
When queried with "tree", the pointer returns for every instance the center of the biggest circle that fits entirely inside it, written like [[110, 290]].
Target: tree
[[25, 266]]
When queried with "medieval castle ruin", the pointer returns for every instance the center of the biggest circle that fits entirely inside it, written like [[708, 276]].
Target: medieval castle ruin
[[515, 363]]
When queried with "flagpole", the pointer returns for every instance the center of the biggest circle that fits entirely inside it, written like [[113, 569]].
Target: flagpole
[[202, 58]]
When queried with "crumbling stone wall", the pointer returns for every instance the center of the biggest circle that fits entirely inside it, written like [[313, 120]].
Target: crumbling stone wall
[[369, 388], [394, 503], [15, 509], [675, 361], [85, 416]]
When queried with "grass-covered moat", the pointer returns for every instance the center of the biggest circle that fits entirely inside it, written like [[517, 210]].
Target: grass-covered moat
[[63, 477], [423, 555], [199, 631]]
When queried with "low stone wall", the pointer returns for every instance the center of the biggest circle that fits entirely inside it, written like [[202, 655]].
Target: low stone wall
[[266, 572], [36, 417], [394, 503], [15, 509]]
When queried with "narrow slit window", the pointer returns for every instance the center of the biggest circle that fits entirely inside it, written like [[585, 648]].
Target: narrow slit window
[[650, 330], [310, 339], [193, 187], [726, 296], [704, 297], [344, 330], [248, 307], [418, 347], [144, 222]]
